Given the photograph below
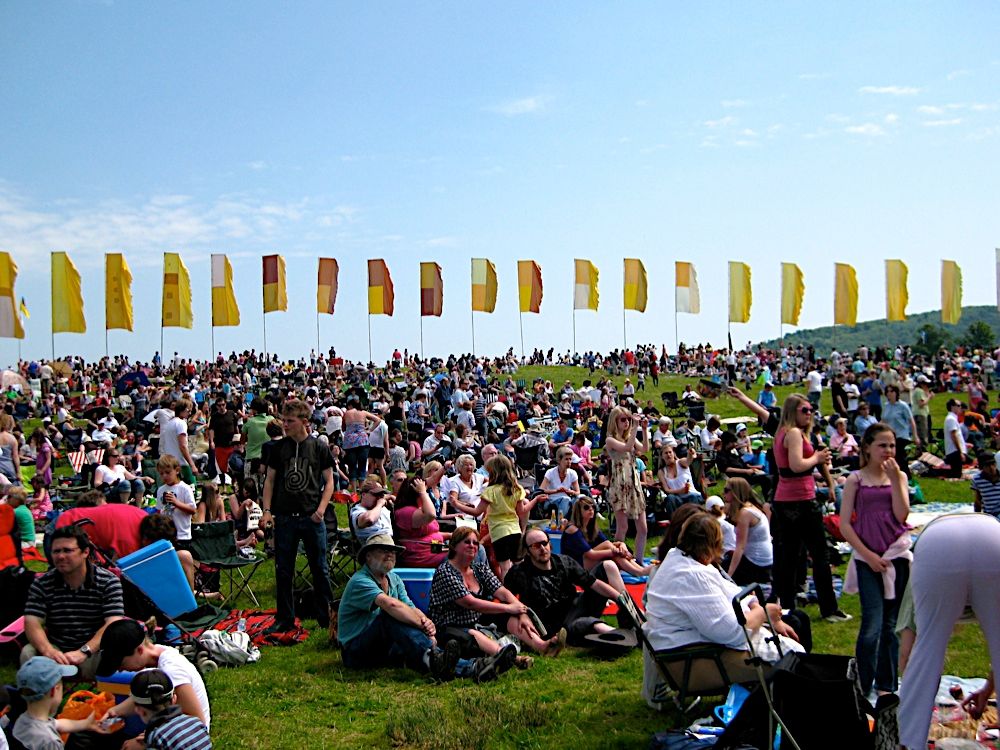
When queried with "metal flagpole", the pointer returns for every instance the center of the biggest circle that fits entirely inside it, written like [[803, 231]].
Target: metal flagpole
[[421, 336], [574, 330], [53, 286], [317, 334], [265, 336], [370, 337], [624, 331], [520, 324], [473, 314], [212, 353], [677, 338]]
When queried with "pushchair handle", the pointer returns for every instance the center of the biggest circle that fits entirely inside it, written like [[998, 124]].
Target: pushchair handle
[[753, 588]]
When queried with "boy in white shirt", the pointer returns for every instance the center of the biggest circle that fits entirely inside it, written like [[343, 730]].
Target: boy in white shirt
[[175, 499]]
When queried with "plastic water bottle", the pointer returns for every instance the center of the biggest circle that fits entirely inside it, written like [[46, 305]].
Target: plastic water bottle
[[241, 626]]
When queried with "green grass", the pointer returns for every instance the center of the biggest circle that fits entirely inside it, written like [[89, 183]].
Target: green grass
[[302, 696]]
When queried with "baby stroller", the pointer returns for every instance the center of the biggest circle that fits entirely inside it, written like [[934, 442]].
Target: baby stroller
[[808, 701]]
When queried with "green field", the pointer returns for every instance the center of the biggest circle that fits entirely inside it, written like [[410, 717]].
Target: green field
[[302, 697]]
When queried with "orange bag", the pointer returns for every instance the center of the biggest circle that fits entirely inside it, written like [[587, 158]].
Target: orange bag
[[83, 703]]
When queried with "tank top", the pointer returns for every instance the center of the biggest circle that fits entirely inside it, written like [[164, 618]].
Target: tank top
[[792, 487], [874, 521], [759, 549]]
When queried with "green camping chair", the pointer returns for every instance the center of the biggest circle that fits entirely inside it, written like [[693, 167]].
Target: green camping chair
[[213, 545]]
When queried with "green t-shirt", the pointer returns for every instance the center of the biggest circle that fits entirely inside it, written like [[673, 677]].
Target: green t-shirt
[[25, 525], [357, 606], [255, 429]]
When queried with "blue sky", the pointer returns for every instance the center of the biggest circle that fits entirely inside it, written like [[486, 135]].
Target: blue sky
[[433, 131]]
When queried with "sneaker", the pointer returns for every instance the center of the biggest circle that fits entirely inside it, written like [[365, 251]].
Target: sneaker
[[443, 661], [490, 667], [838, 616]]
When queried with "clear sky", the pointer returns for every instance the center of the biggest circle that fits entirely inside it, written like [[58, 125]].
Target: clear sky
[[709, 132]]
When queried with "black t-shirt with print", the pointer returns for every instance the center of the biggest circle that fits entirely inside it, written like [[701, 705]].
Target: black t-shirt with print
[[298, 475]]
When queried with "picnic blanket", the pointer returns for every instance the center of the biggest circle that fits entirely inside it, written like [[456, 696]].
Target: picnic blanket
[[258, 621]]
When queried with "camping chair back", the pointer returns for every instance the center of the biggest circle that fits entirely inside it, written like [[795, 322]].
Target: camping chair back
[[213, 542]]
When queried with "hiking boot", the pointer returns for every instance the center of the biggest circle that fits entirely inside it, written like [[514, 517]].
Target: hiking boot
[[443, 661], [490, 667], [838, 616]]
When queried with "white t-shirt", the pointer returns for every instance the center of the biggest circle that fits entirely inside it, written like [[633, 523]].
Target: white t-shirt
[[566, 484], [951, 426], [464, 493], [853, 394], [182, 672], [181, 519], [170, 438], [107, 475], [376, 438], [815, 381], [382, 526]]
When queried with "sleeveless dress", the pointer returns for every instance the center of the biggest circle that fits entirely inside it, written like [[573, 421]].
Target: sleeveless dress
[[624, 490]]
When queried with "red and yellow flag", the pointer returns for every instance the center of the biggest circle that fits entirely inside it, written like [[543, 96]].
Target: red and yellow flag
[[529, 285], [381, 297], [275, 297], [431, 289], [326, 285], [636, 285]]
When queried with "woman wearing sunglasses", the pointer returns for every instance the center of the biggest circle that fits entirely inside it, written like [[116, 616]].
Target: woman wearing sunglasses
[[797, 521]]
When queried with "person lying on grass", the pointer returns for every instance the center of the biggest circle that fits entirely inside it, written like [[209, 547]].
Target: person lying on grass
[[378, 625]]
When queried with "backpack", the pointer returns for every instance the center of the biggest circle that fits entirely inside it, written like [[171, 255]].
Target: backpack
[[229, 649]]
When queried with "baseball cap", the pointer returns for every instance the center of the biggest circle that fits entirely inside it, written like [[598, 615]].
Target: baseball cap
[[740, 427], [151, 687], [39, 675], [756, 444], [714, 502], [120, 639]]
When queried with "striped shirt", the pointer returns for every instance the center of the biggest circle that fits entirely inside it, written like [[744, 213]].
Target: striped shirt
[[989, 493], [73, 616], [173, 730]]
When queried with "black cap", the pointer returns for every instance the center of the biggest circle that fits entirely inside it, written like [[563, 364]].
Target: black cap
[[120, 639], [151, 687]]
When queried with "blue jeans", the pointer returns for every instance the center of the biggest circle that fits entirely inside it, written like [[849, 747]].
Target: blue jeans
[[134, 488], [389, 642], [357, 462], [288, 531], [877, 650]]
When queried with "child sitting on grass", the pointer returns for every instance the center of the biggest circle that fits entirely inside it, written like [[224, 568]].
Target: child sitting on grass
[[167, 727], [39, 682]]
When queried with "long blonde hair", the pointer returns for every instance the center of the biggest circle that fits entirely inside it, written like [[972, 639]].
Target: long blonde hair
[[743, 495], [501, 473], [613, 420], [790, 408]]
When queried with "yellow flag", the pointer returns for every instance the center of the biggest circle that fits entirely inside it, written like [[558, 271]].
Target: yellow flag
[[687, 297], [951, 292], [793, 289], [740, 293], [635, 285], [67, 299], [117, 293], [529, 286], [585, 294], [845, 295], [896, 296], [484, 285], [225, 311], [176, 312], [10, 321], [275, 297]]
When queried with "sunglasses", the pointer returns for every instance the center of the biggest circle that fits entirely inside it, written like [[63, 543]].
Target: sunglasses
[[806, 410], [540, 544]]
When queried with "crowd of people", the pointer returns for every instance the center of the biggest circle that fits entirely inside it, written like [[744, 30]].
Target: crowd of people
[[455, 465]]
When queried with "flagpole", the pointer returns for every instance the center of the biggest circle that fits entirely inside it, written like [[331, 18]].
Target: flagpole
[[677, 338], [624, 331], [370, 337], [211, 354], [574, 330], [317, 333], [520, 325], [265, 336], [53, 287], [472, 313], [421, 336]]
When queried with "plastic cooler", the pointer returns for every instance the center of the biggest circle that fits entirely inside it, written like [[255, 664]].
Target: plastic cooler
[[555, 541], [157, 571], [418, 585]]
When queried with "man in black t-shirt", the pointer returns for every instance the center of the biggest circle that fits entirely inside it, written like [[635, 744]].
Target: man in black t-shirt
[[221, 430], [297, 491], [547, 583]]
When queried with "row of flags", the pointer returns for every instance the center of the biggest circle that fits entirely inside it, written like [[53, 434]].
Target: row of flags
[[68, 315]]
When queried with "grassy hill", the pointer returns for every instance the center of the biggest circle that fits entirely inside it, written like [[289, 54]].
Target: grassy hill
[[876, 332]]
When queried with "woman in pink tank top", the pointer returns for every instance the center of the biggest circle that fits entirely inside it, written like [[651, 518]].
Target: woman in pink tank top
[[797, 523]]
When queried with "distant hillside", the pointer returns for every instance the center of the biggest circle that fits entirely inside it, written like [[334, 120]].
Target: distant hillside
[[877, 332]]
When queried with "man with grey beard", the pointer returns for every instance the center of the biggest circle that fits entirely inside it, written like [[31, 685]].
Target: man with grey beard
[[378, 625]]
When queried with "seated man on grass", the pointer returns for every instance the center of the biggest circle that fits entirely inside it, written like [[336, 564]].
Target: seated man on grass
[[547, 583], [70, 606], [379, 626]]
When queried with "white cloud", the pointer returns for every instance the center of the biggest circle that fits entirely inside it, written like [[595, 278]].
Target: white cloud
[[978, 107], [722, 122], [890, 90], [868, 129], [257, 165], [746, 143], [515, 107], [445, 241], [943, 123], [891, 119], [748, 133], [928, 109], [733, 103], [958, 74]]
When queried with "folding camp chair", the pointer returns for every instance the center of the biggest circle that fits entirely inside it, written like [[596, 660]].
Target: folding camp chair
[[672, 405], [213, 545], [341, 551], [668, 661]]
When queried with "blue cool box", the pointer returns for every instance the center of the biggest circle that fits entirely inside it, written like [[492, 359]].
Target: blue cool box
[[418, 585], [157, 571]]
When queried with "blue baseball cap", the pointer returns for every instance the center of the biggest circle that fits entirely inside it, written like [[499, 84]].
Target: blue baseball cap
[[39, 675]]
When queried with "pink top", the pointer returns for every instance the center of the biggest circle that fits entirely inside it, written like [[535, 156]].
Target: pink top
[[417, 540], [792, 488]]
